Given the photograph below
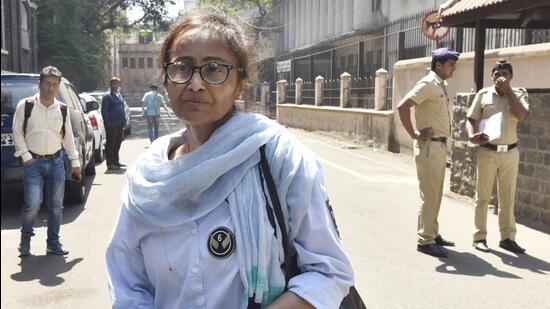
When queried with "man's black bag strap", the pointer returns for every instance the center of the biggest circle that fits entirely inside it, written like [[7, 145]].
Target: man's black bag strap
[[353, 299], [29, 104]]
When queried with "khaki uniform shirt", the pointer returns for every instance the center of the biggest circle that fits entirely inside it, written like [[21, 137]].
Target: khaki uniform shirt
[[432, 109], [488, 102]]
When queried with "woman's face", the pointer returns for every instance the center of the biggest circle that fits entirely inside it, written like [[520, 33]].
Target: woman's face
[[196, 102]]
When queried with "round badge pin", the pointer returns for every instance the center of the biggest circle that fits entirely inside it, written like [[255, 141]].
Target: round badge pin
[[221, 242]]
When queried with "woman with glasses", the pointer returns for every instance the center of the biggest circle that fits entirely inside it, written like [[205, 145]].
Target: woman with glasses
[[196, 228]]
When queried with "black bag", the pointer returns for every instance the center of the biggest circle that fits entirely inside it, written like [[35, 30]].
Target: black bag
[[352, 300]]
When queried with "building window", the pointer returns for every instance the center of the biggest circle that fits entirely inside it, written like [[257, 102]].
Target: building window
[[149, 63], [375, 5], [25, 41], [3, 28], [132, 63], [124, 62], [141, 63]]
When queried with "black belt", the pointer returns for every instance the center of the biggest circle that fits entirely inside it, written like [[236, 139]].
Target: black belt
[[47, 156], [442, 139], [500, 148]]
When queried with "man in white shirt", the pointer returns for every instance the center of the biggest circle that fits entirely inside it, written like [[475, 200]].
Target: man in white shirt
[[38, 144]]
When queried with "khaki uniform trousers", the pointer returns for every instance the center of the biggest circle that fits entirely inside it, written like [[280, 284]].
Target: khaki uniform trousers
[[503, 166], [431, 159]]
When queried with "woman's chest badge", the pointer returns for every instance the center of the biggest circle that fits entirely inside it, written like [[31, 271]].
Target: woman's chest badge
[[221, 242]]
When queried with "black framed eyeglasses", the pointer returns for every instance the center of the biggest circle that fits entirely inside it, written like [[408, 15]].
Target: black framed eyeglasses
[[211, 73]]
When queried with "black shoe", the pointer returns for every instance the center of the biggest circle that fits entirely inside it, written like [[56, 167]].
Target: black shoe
[[120, 165], [433, 250], [481, 245], [56, 249], [24, 246], [113, 167], [442, 242], [511, 245]]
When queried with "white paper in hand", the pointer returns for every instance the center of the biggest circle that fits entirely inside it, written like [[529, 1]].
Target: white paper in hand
[[491, 126]]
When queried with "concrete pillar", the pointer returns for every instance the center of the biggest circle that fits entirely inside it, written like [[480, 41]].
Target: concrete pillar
[[309, 22], [299, 82], [345, 90], [300, 23], [330, 18], [323, 19], [292, 29], [316, 13], [348, 14], [338, 17], [319, 90], [380, 86], [265, 94], [281, 91]]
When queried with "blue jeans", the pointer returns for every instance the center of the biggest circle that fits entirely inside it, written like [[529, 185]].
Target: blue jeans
[[153, 126], [40, 173]]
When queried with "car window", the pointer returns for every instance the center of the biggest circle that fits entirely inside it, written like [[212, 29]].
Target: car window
[[14, 91], [63, 95], [97, 96], [74, 97]]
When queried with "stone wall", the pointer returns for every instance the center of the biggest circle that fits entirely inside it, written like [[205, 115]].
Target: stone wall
[[361, 125], [533, 186], [533, 195]]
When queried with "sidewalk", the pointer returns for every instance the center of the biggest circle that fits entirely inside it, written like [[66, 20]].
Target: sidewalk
[[375, 198]]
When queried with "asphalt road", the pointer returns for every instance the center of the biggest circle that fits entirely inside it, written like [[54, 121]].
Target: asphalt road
[[375, 199]]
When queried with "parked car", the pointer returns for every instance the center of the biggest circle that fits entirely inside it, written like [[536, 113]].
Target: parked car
[[98, 94], [16, 86], [91, 106]]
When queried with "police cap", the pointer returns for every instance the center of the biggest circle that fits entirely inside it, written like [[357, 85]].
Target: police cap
[[445, 53]]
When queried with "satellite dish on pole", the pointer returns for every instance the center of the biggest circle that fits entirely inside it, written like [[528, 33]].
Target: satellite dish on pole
[[431, 27]]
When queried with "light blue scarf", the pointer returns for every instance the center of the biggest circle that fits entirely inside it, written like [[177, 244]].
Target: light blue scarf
[[172, 192]]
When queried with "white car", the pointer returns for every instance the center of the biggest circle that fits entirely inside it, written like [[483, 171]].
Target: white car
[[93, 110], [99, 96]]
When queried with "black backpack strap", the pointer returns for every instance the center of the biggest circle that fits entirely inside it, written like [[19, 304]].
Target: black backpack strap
[[289, 268], [29, 104], [64, 114]]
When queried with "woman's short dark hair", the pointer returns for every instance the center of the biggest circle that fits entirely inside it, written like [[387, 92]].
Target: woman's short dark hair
[[50, 71], [216, 24]]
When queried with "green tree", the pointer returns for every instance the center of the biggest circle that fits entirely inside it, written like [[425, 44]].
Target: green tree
[[72, 34]]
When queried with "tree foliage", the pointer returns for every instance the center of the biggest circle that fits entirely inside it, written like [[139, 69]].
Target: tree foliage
[[253, 15], [72, 34]]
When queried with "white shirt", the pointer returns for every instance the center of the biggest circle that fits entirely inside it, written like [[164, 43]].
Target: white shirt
[[43, 135]]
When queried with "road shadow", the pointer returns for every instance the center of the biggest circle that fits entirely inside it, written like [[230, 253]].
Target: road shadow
[[116, 172], [44, 268], [12, 204], [525, 261], [468, 264]]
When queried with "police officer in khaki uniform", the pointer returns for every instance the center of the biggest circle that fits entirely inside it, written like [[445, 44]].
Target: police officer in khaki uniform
[[433, 119], [498, 156]]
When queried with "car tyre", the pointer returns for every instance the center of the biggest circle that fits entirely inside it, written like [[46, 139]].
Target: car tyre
[[99, 154], [90, 168]]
